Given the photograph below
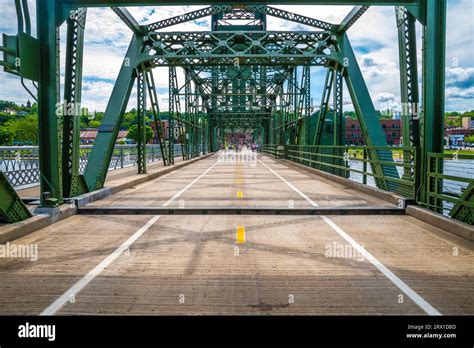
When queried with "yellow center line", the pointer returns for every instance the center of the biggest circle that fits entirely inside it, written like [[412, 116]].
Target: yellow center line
[[240, 235]]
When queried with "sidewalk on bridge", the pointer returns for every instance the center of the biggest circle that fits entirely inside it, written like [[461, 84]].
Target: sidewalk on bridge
[[112, 177], [116, 181]]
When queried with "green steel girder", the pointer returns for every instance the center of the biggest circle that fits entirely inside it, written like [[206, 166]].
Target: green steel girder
[[175, 113], [186, 17], [461, 211], [351, 18], [292, 17], [99, 158], [128, 19], [72, 181], [338, 122], [221, 80], [239, 18], [12, 208], [324, 107], [224, 48], [409, 86], [432, 117], [49, 122], [365, 110], [155, 109], [102, 3], [141, 115]]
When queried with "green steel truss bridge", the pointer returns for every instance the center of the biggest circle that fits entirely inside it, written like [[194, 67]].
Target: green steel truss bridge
[[238, 75], [307, 225]]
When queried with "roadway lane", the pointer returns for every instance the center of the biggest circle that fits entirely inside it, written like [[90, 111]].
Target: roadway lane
[[201, 265]]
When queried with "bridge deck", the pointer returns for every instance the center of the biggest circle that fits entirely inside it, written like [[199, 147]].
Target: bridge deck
[[135, 264]]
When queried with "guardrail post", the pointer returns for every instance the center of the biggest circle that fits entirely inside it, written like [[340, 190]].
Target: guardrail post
[[364, 166], [121, 157]]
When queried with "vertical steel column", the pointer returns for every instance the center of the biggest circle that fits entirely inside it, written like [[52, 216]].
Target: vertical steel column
[[339, 125], [432, 121], [339, 121], [171, 117], [141, 115], [307, 103], [48, 97], [155, 108], [408, 85], [72, 183]]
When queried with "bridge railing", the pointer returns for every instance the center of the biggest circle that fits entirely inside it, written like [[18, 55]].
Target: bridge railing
[[273, 150], [354, 162], [451, 185], [21, 163]]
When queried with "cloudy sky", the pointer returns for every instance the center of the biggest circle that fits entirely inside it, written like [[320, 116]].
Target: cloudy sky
[[373, 37]]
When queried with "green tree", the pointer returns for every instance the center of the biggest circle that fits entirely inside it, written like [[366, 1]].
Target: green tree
[[7, 134], [94, 124], [25, 129], [133, 133]]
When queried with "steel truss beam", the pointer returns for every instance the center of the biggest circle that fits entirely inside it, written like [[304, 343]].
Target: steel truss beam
[[408, 85], [352, 17], [12, 208], [365, 110], [175, 113], [281, 100], [224, 48], [99, 158], [102, 3], [128, 19], [155, 108], [323, 109], [190, 16], [141, 115], [292, 17], [72, 182]]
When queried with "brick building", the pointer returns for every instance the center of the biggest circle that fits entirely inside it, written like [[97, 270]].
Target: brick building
[[353, 133]]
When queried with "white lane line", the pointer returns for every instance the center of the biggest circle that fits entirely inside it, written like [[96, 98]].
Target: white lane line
[[168, 202], [70, 294], [420, 301]]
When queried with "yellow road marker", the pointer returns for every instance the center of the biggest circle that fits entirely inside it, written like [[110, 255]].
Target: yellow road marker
[[240, 194], [240, 235]]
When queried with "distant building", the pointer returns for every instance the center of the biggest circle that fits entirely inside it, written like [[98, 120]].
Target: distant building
[[164, 125], [353, 132], [467, 122], [88, 136], [457, 135], [9, 111]]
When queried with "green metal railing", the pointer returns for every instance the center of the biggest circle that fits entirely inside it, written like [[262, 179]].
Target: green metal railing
[[274, 150], [451, 185], [355, 162], [21, 163]]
